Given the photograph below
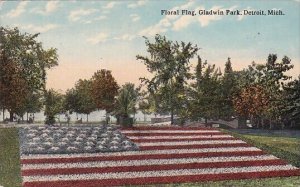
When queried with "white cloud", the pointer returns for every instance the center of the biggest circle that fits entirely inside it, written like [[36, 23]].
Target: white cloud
[[177, 22], [50, 7], [135, 17], [87, 22], [40, 29], [127, 37], [19, 10], [137, 4], [206, 19], [297, 1], [76, 15], [100, 18], [110, 5], [161, 27], [101, 37], [187, 5], [164, 24], [183, 22]]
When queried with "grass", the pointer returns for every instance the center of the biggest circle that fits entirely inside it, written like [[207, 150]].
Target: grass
[[283, 147], [9, 158]]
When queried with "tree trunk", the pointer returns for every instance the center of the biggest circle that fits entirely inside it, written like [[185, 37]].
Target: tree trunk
[[27, 116], [3, 115], [262, 123], [87, 117], [145, 118], [172, 116], [11, 116], [106, 118], [205, 120], [270, 124]]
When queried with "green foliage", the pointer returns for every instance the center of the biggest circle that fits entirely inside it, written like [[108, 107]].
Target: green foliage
[[271, 77], [205, 93], [13, 87], [291, 100], [168, 61], [104, 90], [54, 104], [84, 91], [79, 99], [126, 100], [227, 90], [25, 61], [72, 101]]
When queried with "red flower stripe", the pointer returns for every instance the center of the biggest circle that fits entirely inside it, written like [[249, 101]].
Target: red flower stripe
[[171, 134], [169, 128], [181, 139], [58, 171], [139, 157], [162, 180], [161, 147]]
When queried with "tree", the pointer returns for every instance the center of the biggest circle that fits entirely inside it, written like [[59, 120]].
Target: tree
[[33, 103], [126, 101], [85, 100], [228, 84], [205, 93], [72, 101], [169, 63], [252, 102], [13, 87], [29, 59], [104, 90], [273, 79], [145, 107], [291, 98], [270, 78], [53, 105]]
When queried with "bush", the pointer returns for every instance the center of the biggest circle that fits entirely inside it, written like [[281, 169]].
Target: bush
[[50, 120], [126, 121]]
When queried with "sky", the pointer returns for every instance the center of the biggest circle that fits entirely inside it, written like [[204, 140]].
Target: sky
[[93, 35]]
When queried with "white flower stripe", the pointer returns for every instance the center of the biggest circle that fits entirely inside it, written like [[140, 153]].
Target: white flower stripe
[[168, 131], [178, 137], [148, 162], [205, 142], [150, 152], [160, 173]]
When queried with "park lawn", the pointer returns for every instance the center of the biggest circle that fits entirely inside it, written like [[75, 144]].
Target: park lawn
[[9, 158], [286, 148], [287, 144], [283, 147]]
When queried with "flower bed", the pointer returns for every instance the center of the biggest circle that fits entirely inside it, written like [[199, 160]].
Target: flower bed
[[166, 155], [67, 140]]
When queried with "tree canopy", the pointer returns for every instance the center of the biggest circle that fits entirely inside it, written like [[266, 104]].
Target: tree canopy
[[23, 67], [104, 90], [169, 62]]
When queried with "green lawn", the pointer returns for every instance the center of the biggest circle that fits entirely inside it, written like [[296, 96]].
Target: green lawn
[[9, 158], [283, 147]]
